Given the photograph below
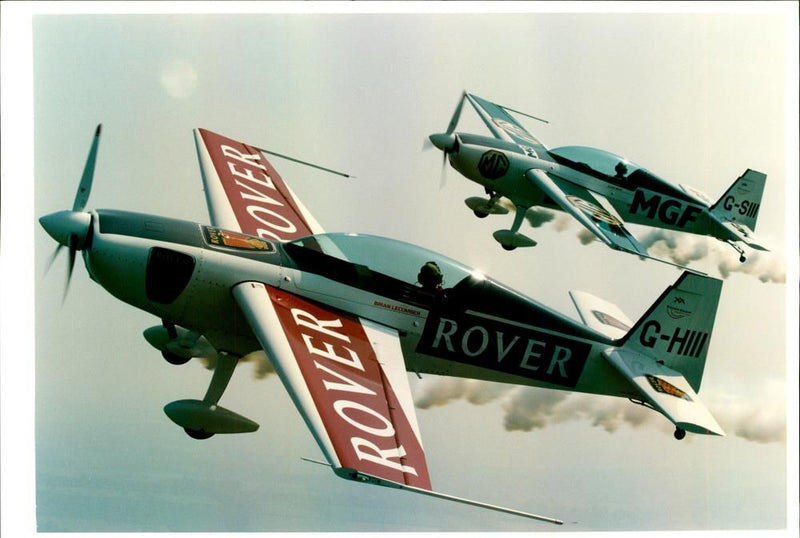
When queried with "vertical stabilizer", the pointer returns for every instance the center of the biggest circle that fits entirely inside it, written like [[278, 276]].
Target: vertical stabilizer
[[742, 201], [676, 330]]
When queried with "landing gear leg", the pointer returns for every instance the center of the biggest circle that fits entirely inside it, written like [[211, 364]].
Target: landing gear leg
[[738, 249], [226, 363], [511, 239]]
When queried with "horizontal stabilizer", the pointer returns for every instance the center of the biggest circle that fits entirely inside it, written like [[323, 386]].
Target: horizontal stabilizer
[[666, 390], [744, 234], [601, 315]]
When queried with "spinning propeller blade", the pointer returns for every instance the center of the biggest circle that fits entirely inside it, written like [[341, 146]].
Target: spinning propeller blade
[[85, 186], [447, 141], [456, 114], [72, 228]]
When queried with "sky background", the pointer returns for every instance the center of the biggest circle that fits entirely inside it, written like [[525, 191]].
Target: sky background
[[697, 98]]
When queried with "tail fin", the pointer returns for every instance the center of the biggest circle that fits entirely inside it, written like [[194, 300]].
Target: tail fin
[[676, 330], [741, 202]]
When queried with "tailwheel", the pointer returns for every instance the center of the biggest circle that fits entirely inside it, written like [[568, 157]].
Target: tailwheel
[[680, 433], [480, 214], [742, 259], [509, 247], [175, 359], [198, 434]]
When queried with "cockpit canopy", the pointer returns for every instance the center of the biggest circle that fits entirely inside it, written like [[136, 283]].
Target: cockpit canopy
[[597, 160], [399, 260]]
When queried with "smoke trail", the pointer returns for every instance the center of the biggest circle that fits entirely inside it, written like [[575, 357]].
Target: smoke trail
[[262, 367], [539, 216], [684, 248], [527, 409]]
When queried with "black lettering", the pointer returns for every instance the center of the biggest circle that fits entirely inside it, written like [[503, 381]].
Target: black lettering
[[640, 202]]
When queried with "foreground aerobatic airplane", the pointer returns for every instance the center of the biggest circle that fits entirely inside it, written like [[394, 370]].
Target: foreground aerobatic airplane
[[344, 317], [599, 189]]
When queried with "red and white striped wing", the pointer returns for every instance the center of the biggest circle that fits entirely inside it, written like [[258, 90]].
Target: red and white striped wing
[[347, 377], [245, 193]]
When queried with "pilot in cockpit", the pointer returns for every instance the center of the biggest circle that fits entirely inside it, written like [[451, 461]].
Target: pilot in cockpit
[[430, 277], [621, 170]]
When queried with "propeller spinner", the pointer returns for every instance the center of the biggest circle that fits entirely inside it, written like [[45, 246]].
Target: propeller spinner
[[447, 141], [72, 228]]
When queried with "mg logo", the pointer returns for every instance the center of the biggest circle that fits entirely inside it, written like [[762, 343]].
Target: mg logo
[[493, 164]]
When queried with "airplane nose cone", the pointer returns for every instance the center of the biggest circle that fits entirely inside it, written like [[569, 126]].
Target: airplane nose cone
[[62, 225], [443, 141]]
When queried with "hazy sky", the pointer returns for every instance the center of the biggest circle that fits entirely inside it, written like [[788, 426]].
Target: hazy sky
[[695, 97]]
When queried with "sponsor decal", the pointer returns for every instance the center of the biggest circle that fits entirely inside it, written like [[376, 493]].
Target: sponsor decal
[[358, 406], [259, 198], [493, 164], [685, 342], [594, 211], [516, 131], [659, 385], [235, 240], [664, 209], [608, 319], [744, 187], [470, 339], [678, 308]]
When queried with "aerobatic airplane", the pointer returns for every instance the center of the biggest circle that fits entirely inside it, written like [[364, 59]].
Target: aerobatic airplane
[[343, 318], [599, 189]]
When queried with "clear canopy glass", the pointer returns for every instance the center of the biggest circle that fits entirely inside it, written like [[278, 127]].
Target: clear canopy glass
[[390, 257], [598, 160]]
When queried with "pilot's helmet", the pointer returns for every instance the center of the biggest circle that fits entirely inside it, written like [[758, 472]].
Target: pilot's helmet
[[621, 169], [430, 276]]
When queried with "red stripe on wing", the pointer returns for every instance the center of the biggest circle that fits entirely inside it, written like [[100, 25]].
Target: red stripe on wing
[[357, 404]]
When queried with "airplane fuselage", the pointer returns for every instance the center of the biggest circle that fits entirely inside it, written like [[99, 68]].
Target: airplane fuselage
[[183, 272], [640, 198]]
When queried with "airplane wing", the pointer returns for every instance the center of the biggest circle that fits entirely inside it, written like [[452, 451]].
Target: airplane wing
[[666, 390], [503, 125], [588, 208], [246, 194], [346, 376]]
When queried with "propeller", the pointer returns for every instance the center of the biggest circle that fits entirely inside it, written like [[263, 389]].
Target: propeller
[[447, 141], [72, 228]]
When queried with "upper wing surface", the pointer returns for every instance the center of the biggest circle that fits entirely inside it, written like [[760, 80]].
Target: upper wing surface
[[245, 193], [347, 377], [503, 125], [588, 209]]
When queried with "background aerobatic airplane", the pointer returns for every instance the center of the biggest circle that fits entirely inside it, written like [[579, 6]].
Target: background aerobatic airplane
[[599, 189], [343, 317]]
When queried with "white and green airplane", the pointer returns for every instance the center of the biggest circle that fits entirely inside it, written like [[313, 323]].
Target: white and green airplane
[[601, 190]]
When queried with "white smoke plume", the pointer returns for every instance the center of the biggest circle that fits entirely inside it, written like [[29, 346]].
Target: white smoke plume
[[683, 248], [527, 409], [262, 367], [539, 216]]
